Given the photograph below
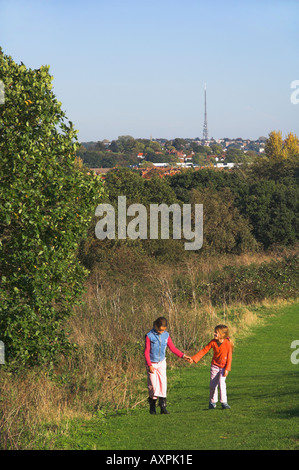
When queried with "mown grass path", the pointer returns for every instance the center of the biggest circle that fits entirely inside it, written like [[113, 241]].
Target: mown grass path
[[263, 391]]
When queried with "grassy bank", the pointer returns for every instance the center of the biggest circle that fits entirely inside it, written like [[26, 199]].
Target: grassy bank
[[262, 392], [105, 373]]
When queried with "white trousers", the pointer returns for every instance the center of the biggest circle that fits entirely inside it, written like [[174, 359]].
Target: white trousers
[[217, 381], [157, 382]]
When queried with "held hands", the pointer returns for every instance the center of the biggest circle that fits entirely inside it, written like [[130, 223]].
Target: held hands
[[188, 359]]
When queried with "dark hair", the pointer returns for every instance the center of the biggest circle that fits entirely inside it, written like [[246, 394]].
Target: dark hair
[[161, 321]]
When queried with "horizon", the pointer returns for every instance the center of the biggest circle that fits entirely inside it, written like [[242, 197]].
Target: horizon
[[140, 69], [173, 138]]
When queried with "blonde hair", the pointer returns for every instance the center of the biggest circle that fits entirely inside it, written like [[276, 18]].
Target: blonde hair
[[223, 330]]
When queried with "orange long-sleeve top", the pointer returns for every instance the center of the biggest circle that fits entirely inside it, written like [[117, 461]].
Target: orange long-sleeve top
[[222, 353]]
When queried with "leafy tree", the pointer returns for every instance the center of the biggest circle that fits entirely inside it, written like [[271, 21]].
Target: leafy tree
[[284, 171], [273, 147], [205, 149], [217, 149], [278, 149], [273, 208], [225, 229], [187, 180], [154, 145], [198, 159], [126, 143], [99, 146], [114, 146], [125, 182], [291, 146], [139, 148], [179, 144], [159, 191], [47, 201], [234, 155], [251, 155]]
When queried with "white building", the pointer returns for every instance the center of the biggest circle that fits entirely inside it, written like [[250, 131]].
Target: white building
[[224, 165]]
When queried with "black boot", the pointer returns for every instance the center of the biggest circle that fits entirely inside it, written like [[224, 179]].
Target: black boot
[[152, 403], [162, 404]]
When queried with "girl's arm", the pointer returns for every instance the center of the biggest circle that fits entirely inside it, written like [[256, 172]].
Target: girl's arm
[[229, 359], [147, 351], [202, 352], [173, 349]]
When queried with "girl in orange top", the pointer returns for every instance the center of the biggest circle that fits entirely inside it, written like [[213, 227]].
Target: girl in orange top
[[221, 364]]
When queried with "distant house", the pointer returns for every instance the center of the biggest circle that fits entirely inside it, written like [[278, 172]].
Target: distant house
[[106, 143], [185, 164], [180, 154], [224, 165], [161, 165]]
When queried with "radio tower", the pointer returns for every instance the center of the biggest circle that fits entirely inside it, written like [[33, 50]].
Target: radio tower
[[205, 124]]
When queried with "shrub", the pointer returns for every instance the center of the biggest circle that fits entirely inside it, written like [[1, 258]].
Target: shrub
[[46, 203], [253, 283]]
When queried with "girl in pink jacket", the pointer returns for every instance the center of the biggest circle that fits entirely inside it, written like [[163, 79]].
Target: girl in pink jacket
[[156, 342]]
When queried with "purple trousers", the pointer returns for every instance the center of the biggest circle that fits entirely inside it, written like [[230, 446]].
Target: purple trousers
[[217, 381]]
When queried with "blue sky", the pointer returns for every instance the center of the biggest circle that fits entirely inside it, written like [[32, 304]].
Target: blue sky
[[139, 67]]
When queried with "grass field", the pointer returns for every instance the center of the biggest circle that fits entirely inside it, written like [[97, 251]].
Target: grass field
[[263, 392]]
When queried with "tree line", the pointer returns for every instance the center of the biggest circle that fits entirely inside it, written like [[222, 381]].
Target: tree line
[[123, 152], [246, 209]]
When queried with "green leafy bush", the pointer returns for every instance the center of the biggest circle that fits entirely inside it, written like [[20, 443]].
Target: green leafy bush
[[46, 204], [253, 283]]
